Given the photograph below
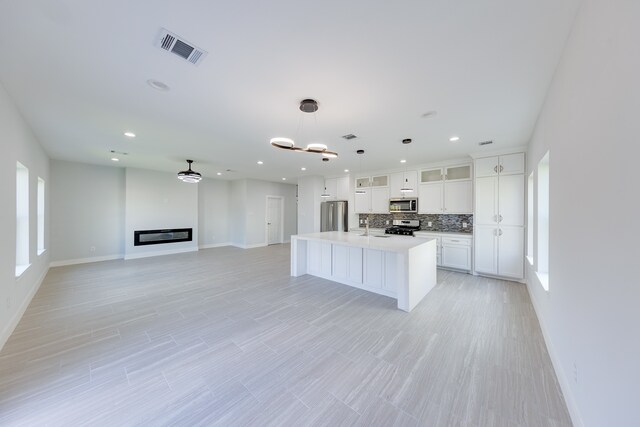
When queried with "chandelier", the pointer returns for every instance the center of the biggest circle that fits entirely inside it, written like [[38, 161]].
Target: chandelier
[[306, 106]]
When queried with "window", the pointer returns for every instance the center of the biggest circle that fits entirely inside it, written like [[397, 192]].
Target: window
[[22, 219], [543, 221], [40, 216], [530, 219]]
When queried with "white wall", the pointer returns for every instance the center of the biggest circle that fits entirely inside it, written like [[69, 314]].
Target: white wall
[[309, 190], [589, 122], [19, 144], [158, 200], [256, 209], [238, 212], [87, 212], [213, 213]]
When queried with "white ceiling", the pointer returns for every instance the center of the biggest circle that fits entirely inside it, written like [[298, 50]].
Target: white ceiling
[[78, 72]]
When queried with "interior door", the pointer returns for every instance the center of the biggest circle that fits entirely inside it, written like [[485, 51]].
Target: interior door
[[274, 220]]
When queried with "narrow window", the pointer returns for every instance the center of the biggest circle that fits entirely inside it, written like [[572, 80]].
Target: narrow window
[[543, 221], [22, 219], [41, 247], [530, 219]]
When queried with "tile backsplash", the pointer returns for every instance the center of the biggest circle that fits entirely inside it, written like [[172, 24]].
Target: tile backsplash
[[446, 222]]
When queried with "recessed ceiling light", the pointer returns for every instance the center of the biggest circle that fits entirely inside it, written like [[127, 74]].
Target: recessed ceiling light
[[115, 159], [454, 138], [219, 173], [284, 179], [260, 162], [403, 161], [346, 170], [130, 134], [158, 85], [303, 169]]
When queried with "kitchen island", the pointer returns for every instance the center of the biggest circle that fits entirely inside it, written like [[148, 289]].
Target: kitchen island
[[399, 267]]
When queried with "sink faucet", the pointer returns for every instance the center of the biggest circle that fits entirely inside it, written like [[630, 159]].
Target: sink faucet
[[366, 225]]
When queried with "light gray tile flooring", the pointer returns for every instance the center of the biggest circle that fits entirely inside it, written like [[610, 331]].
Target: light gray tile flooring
[[226, 337]]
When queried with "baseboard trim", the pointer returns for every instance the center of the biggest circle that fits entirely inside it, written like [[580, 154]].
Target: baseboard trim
[[84, 260], [569, 399], [11, 325], [159, 253], [214, 245], [256, 245]]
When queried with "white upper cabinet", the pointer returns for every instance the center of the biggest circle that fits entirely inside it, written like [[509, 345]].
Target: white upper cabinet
[[431, 175], [500, 165], [430, 198], [363, 182], [380, 181], [458, 197], [342, 191], [446, 190], [401, 180], [457, 173], [380, 200], [511, 164], [363, 202]]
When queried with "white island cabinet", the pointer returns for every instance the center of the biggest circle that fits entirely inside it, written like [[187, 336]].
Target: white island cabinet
[[399, 267]]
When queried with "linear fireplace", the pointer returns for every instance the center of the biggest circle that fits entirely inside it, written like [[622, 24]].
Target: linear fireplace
[[156, 237]]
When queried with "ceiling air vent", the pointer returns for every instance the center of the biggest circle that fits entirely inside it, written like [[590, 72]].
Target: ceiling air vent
[[485, 143], [349, 136], [176, 44]]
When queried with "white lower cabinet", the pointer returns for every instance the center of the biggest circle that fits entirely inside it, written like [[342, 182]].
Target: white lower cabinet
[[456, 253], [453, 251], [319, 256], [347, 263], [373, 268], [499, 250]]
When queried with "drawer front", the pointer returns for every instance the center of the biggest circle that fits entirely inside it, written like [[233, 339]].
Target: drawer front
[[456, 241]]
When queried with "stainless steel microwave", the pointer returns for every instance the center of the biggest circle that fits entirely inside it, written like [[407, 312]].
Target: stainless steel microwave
[[403, 205]]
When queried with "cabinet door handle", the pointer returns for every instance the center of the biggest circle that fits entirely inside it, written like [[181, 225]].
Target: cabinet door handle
[[501, 168], [499, 218], [495, 169], [499, 232]]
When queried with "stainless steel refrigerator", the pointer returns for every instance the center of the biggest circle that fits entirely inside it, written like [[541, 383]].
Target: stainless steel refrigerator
[[334, 216]]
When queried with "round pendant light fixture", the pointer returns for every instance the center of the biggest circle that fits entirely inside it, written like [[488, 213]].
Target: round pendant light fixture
[[189, 175], [306, 106], [360, 190], [406, 188]]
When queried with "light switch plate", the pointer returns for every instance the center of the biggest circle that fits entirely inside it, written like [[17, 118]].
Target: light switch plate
[[429, 223], [464, 225]]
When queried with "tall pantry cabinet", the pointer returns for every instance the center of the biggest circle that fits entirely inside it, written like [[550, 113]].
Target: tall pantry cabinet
[[499, 215]]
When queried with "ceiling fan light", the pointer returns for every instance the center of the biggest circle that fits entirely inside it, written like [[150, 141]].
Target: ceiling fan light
[[189, 175], [285, 143]]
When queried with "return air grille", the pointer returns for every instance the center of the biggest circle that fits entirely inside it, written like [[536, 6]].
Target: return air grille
[[175, 44]]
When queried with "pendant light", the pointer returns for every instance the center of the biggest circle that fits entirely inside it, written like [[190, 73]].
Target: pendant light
[[360, 190], [406, 188], [325, 195], [189, 175], [306, 106]]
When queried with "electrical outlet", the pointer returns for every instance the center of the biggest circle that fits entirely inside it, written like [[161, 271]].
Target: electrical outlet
[[361, 221], [465, 225], [429, 223], [575, 373], [387, 222], [92, 248]]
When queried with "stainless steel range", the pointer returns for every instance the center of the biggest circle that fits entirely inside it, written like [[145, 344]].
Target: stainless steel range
[[403, 227]]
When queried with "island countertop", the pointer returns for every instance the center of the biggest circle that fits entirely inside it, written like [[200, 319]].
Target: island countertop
[[388, 243]]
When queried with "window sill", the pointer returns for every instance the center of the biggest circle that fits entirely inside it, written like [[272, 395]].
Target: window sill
[[41, 251], [530, 259], [543, 278], [21, 269]]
